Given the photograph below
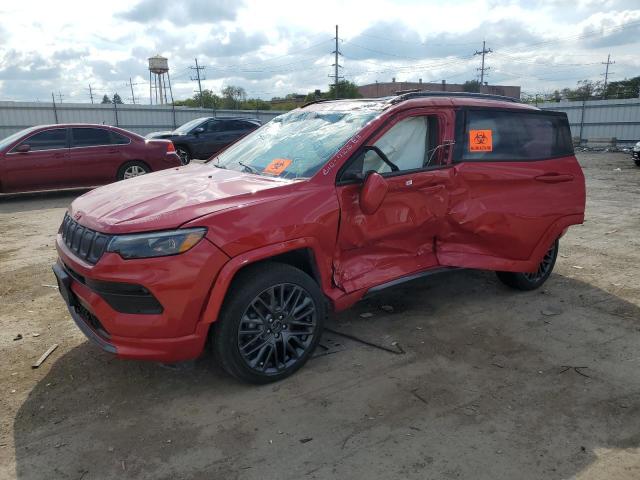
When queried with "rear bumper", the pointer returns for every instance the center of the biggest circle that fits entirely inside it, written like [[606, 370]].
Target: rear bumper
[[180, 283]]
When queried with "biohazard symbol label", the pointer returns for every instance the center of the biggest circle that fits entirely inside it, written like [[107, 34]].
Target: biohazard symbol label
[[277, 166], [480, 141]]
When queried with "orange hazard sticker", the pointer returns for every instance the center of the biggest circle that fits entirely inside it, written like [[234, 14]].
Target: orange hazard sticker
[[480, 141], [277, 166]]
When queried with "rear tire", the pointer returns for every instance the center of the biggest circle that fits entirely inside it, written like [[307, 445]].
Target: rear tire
[[270, 323], [132, 169], [530, 281]]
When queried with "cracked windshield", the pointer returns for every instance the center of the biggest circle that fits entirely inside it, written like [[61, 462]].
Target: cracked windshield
[[296, 144]]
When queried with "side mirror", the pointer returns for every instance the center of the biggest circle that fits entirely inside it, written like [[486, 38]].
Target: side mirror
[[198, 131], [373, 191], [24, 148]]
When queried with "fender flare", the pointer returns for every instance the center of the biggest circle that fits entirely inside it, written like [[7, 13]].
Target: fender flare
[[228, 272], [555, 231]]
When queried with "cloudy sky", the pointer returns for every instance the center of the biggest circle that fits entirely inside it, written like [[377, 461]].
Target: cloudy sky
[[282, 46]]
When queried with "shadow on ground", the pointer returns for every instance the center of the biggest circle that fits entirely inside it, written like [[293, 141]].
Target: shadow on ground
[[494, 384]]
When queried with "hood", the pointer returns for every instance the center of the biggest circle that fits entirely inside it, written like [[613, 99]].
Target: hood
[[168, 198], [163, 134]]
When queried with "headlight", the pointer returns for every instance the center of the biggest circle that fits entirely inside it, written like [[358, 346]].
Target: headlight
[[156, 244]]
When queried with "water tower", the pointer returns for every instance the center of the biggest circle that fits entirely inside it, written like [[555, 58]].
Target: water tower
[[159, 80]]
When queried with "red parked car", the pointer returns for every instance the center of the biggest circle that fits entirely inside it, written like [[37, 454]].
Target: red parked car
[[78, 155], [309, 213]]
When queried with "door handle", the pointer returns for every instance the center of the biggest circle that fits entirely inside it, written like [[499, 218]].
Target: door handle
[[554, 177], [113, 150]]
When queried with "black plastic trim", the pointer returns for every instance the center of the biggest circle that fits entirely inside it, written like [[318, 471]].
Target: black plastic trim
[[408, 278], [122, 297]]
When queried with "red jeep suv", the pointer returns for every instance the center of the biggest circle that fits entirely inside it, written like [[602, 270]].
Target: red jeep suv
[[309, 213]]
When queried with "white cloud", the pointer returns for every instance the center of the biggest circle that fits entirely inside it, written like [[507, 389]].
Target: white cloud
[[274, 48]]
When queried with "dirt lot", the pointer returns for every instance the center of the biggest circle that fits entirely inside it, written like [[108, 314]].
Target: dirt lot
[[494, 384]]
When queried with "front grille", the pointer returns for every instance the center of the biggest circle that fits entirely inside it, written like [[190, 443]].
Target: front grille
[[85, 243]]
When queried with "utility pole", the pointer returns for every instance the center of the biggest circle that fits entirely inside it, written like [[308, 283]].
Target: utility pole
[[133, 98], [336, 76], [55, 111], [606, 74], [483, 69], [90, 93], [197, 69], [60, 96]]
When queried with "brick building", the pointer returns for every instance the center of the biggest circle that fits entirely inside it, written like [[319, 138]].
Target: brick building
[[385, 89]]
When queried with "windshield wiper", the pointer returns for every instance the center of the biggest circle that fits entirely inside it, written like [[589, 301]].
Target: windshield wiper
[[249, 168]]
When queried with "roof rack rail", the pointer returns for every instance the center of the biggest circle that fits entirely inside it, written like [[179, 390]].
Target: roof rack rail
[[402, 96], [320, 100]]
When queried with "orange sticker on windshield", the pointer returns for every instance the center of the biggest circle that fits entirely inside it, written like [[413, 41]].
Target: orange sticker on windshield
[[277, 166], [480, 141]]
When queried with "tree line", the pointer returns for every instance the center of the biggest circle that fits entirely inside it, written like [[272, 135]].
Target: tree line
[[590, 90], [235, 98]]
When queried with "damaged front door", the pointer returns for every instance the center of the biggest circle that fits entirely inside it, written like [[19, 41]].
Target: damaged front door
[[397, 237]]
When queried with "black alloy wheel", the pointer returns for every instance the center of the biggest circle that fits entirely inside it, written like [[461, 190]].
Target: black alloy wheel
[[277, 328], [270, 323]]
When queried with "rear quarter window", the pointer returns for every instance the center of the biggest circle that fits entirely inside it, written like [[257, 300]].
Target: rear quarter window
[[496, 135]]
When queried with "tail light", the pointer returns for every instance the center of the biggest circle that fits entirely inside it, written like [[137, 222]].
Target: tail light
[[170, 148]]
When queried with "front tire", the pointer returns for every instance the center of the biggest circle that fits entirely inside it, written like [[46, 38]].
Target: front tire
[[637, 163], [270, 324], [532, 280]]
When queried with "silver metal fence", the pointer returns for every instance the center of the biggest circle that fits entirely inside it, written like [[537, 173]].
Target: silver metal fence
[[601, 121], [141, 119]]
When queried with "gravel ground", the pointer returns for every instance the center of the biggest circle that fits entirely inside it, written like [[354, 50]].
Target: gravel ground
[[494, 384]]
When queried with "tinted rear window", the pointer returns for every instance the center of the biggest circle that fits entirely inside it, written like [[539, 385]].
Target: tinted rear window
[[90, 137], [493, 135], [118, 139]]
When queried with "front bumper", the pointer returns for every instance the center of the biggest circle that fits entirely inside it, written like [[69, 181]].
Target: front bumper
[[180, 283]]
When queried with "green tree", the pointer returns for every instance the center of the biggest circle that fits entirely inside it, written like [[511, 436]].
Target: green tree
[[233, 96], [346, 89], [106, 99], [627, 88], [472, 86], [117, 99]]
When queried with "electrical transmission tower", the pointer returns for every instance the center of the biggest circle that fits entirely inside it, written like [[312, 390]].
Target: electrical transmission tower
[[336, 76], [197, 69], [90, 93], [606, 74], [483, 69]]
